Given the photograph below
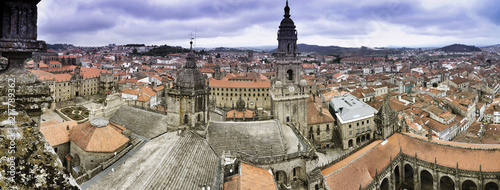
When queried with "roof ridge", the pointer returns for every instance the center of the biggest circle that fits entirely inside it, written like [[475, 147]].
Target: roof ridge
[[84, 136]]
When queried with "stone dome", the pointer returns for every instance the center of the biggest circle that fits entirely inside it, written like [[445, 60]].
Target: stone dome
[[287, 23], [99, 122], [189, 78]]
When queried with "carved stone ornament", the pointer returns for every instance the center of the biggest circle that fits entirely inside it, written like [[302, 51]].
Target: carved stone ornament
[[4, 62]]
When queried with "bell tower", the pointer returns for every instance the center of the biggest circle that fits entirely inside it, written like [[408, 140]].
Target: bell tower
[[289, 97], [288, 64]]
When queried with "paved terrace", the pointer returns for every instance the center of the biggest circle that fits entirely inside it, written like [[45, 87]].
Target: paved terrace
[[376, 157]]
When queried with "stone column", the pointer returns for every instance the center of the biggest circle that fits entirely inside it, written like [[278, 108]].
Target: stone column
[[457, 179], [416, 179], [435, 181]]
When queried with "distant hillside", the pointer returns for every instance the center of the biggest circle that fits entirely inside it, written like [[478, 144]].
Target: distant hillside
[[459, 48], [492, 46], [319, 49], [165, 50], [342, 51], [59, 47]]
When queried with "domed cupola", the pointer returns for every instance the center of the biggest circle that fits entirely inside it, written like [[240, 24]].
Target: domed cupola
[[190, 78], [287, 22], [287, 37]]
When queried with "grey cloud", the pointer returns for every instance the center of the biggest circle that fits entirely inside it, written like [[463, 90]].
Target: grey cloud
[[140, 20]]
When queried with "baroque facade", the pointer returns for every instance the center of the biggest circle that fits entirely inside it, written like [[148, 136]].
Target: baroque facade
[[71, 82], [288, 91]]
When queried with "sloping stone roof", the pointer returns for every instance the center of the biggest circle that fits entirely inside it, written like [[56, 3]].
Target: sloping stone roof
[[258, 138], [145, 123], [169, 161]]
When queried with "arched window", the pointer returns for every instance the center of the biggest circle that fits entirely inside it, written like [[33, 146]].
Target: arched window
[[290, 74], [186, 119], [289, 48]]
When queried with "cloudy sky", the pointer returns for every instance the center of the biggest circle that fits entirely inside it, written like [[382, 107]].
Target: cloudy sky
[[247, 23]]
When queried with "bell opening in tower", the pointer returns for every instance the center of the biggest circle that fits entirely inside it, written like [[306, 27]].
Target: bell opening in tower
[[290, 74]]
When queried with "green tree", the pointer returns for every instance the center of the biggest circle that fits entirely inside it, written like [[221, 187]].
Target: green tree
[[134, 51]]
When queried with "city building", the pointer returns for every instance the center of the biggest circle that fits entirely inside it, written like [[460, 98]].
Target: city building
[[253, 88], [354, 120], [320, 123], [69, 82]]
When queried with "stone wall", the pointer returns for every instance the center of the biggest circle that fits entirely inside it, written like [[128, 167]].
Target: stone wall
[[181, 106], [217, 115], [62, 150], [102, 166], [112, 104], [292, 110]]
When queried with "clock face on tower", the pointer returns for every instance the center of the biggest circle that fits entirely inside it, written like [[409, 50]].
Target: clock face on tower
[[291, 88]]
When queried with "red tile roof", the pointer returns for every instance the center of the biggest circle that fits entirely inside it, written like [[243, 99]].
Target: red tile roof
[[251, 177], [376, 156], [239, 114], [43, 75], [98, 139], [58, 133], [314, 116], [54, 63], [241, 80]]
